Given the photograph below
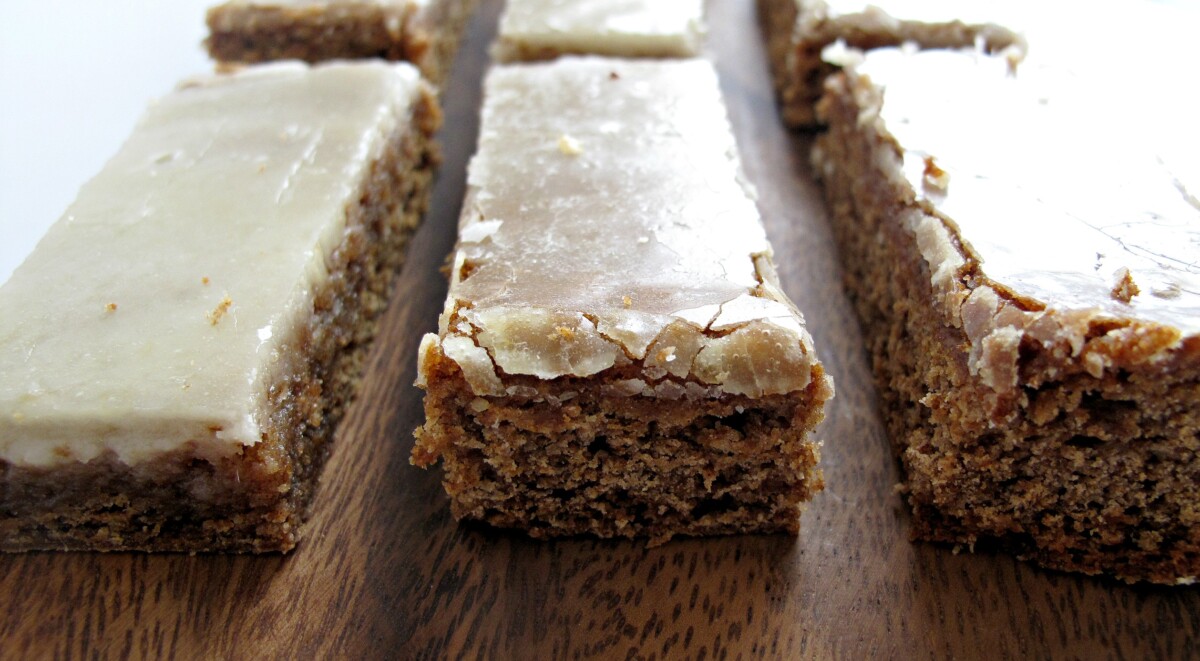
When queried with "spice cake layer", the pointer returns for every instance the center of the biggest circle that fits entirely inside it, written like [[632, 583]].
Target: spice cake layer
[[424, 32], [178, 349], [616, 356], [798, 31], [546, 29], [1024, 256]]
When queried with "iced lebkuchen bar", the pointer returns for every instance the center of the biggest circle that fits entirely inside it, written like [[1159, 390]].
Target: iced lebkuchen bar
[[424, 32], [546, 29], [798, 31], [616, 356], [1024, 260], [178, 349]]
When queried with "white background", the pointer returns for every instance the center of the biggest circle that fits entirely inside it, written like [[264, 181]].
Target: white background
[[75, 75]]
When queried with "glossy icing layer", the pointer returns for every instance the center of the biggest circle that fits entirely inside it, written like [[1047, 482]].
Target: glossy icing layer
[[1065, 193], [156, 313], [627, 28], [606, 221]]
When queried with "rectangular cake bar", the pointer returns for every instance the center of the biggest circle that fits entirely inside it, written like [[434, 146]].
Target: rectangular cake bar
[[798, 31], [616, 356], [546, 29], [424, 32], [1024, 250], [180, 346]]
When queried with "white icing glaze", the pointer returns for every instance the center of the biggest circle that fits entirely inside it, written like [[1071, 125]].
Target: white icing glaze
[[643, 242], [154, 314], [1057, 182], [628, 28]]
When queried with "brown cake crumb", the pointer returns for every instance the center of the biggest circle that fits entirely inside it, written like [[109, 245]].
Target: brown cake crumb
[[935, 177], [218, 312], [1125, 288]]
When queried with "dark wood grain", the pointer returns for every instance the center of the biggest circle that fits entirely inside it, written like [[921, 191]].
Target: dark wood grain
[[385, 572]]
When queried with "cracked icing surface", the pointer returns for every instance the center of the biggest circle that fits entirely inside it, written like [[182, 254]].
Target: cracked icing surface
[[1066, 195], [156, 313], [612, 27], [641, 244]]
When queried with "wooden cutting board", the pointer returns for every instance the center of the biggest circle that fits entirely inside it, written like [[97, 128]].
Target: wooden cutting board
[[385, 572]]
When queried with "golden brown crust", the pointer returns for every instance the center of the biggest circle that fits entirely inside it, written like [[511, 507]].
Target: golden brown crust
[[257, 501]]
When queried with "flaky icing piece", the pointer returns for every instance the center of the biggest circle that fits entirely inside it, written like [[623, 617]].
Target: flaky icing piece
[[607, 223], [156, 314], [537, 29], [1057, 200]]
